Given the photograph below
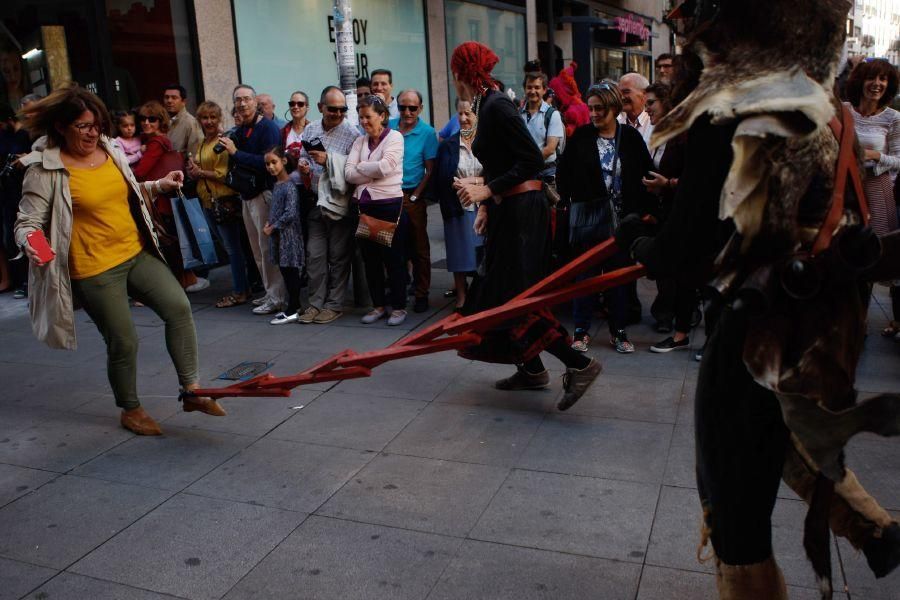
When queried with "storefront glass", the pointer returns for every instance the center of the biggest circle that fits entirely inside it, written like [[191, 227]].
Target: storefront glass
[[126, 51], [285, 45], [502, 30]]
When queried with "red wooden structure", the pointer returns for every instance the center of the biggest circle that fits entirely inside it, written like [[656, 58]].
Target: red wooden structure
[[451, 333]]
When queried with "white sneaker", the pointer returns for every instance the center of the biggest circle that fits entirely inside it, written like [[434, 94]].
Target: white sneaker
[[282, 319], [266, 308], [397, 317], [202, 284], [373, 316]]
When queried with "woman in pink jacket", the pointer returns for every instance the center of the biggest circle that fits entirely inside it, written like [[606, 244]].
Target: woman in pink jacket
[[375, 166]]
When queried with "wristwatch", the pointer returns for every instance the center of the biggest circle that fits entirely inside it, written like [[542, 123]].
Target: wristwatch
[[413, 198]]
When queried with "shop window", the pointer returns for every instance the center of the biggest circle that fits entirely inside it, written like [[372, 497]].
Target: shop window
[[609, 63], [505, 35], [286, 45], [640, 63]]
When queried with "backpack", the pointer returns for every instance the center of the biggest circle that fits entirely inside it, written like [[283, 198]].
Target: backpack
[[562, 142]]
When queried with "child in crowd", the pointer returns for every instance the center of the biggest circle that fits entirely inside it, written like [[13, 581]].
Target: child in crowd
[[128, 141], [284, 229]]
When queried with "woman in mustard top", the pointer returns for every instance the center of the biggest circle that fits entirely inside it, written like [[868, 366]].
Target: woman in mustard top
[[84, 197], [222, 204]]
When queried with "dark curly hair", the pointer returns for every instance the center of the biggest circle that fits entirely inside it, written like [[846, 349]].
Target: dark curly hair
[[868, 70], [61, 108]]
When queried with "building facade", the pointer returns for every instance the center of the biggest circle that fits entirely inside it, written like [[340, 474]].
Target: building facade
[[128, 50], [873, 29]]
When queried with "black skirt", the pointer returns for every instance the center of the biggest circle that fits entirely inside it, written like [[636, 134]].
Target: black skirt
[[516, 256]]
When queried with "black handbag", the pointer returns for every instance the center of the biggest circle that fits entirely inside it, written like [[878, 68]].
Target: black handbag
[[595, 221], [227, 210], [246, 181]]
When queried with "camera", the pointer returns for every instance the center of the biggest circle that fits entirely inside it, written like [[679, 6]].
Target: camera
[[231, 135], [10, 166]]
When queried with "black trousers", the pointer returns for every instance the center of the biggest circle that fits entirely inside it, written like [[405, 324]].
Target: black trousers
[[676, 301], [379, 259], [741, 441], [291, 276]]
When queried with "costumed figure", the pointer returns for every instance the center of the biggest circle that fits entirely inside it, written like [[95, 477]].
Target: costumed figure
[[573, 108], [771, 201]]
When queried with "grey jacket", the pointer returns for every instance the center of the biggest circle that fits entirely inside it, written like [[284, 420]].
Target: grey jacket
[[47, 204]]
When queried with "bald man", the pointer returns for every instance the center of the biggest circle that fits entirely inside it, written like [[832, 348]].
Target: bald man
[[633, 87]]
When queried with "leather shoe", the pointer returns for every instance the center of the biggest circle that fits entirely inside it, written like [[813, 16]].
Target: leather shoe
[[576, 382], [523, 380], [204, 405], [421, 305], [138, 421]]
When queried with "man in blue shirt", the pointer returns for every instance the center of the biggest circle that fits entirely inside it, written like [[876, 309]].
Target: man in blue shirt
[[256, 135], [544, 122], [420, 146]]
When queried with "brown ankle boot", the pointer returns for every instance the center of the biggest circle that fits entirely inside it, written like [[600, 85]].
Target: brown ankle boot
[[204, 405], [138, 421], [750, 582]]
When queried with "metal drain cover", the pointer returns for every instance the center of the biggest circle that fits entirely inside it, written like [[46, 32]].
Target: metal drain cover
[[244, 371]]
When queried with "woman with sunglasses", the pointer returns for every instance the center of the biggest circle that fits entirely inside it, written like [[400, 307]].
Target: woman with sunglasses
[[83, 197], [514, 214], [292, 132], [153, 121], [600, 174]]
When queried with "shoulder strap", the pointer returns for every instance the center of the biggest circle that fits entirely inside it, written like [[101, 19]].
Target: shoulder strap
[[547, 116], [846, 165]]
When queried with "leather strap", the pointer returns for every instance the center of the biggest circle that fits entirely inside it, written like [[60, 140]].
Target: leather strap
[[532, 185], [846, 164]]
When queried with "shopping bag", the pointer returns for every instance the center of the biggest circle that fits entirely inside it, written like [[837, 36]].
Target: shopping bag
[[194, 235]]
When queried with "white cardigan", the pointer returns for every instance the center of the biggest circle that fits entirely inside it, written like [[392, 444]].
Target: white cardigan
[[380, 171]]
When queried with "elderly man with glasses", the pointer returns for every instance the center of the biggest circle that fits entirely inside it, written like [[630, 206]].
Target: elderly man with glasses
[[247, 146], [420, 146], [329, 248]]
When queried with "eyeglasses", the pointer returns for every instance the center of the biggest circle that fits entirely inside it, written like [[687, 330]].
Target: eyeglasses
[[601, 86], [152, 119], [293, 103], [85, 127], [407, 108], [242, 99], [336, 109]]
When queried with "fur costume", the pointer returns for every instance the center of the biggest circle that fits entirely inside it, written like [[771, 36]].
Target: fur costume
[[574, 111], [802, 312]]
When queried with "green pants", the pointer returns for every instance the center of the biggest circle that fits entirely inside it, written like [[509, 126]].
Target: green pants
[[105, 299]]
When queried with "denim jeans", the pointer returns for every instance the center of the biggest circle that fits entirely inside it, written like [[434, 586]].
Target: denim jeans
[[230, 236]]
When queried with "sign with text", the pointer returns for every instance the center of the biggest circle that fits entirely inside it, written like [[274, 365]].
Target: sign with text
[[288, 45]]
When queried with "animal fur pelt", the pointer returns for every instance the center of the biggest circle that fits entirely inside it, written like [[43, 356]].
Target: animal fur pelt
[[769, 66]]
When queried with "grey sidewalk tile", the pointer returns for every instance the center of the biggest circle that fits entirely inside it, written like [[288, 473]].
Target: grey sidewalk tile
[[467, 433], [419, 378], [877, 372], [69, 586], [246, 416], [876, 462], [335, 337], [349, 420], [23, 349], [18, 481], [630, 397], [160, 407], [264, 336], [663, 366], [280, 474], [484, 570], [611, 448], [190, 546], [681, 461], [582, 515], [18, 578], [658, 583], [51, 388], [171, 461], [860, 579], [60, 441], [326, 559], [69, 517], [417, 493], [474, 386]]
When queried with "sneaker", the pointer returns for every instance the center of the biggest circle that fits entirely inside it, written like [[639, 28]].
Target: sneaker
[[581, 341], [373, 316], [202, 284], [284, 318], [20, 293], [326, 316], [576, 382], [260, 301], [266, 308], [621, 344], [309, 315], [421, 305], [669, 344], [397, 317], [523, 380], [698, 355]]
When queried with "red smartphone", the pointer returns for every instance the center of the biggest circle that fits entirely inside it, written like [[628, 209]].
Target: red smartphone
[[38, 243]]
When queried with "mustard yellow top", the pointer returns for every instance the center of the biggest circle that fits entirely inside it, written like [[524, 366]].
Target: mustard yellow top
[[208, 160], [104, 234]]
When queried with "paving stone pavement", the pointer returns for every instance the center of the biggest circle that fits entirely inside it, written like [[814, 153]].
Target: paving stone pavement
[[421, 482]]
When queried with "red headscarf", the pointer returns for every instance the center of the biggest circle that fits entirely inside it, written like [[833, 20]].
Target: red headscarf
[[472, 63]]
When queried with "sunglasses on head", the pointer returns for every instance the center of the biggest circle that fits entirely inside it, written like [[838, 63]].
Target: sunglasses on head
[[293, 103], [152, 119], [407, 108], [336, 109]]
